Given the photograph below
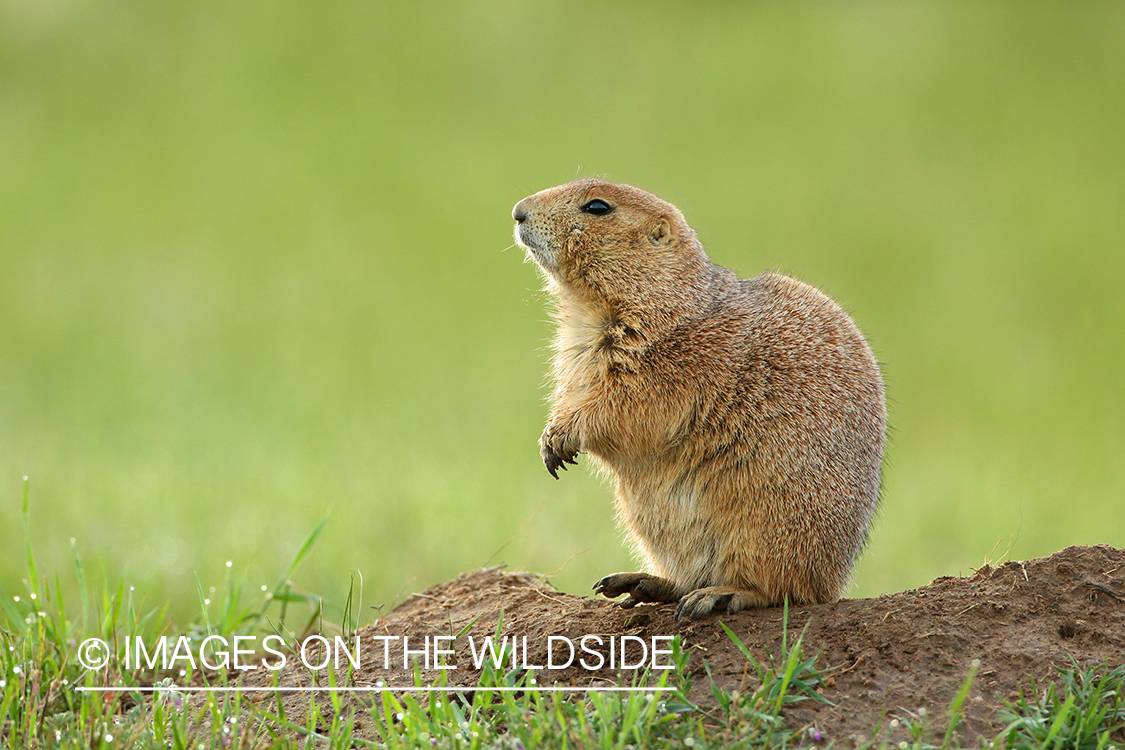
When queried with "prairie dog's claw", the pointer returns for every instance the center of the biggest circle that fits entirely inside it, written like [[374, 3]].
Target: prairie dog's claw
[[551, 461], [554, 460]]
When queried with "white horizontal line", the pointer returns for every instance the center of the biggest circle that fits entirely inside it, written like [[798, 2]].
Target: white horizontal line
[[429, 689]]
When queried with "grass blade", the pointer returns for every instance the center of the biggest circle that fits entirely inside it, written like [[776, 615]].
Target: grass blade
[[958, 702], [32, 570]]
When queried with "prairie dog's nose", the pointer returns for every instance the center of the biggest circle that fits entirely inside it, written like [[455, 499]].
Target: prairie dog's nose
[[519, 212]]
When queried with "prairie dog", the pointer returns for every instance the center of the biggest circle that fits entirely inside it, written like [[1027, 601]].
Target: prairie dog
[[743, 420]]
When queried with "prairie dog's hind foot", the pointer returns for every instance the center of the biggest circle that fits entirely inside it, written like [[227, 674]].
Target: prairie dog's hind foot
[[641, 588], [718, 600]]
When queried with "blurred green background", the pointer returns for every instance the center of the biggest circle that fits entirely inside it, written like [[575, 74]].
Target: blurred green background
[[256, 263]]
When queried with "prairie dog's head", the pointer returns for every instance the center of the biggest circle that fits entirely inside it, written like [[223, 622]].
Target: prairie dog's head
[[614, 243]]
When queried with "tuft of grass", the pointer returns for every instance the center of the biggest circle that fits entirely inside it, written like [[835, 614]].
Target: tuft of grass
[[756, 718], [42, 702], [506, 711], [1084, 709]]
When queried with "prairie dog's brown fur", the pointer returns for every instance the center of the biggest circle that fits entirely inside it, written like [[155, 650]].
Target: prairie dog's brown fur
[[743, 419]]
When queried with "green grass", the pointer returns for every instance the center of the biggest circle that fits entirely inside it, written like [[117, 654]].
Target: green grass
[[1084, 709], [1081, 710], [253, 268], [41, 704]]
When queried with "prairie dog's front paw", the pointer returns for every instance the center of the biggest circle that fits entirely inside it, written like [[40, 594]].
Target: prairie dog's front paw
[[558, 448]]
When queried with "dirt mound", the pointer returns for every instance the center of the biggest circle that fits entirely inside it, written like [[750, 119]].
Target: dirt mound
[[889, 656]]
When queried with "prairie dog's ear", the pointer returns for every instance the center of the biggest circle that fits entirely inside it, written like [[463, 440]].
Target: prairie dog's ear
[[661, 233]]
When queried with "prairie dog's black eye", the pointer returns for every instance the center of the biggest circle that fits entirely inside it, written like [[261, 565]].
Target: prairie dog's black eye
[[597, 207]]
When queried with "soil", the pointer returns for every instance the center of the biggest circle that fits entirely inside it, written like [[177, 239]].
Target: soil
[[885, 658]]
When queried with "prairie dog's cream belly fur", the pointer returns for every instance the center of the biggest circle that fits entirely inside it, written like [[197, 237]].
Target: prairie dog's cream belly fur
[[743, 420]]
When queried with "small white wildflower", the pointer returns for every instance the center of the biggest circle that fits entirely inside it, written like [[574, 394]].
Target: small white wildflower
[[109, 738], [399, 716], [894, 722], [921, 711], [533, 682], [226, 730], [689, 742], [132, 588], [34, 596], [229, 563], [265, 588], [3, 683], [207, 602], [16, 669], [58, 735], [903, 745], [233, 720], [16, 598], [975, 664], [183, 672], [458, 737], [379, 683], [439, 704]]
